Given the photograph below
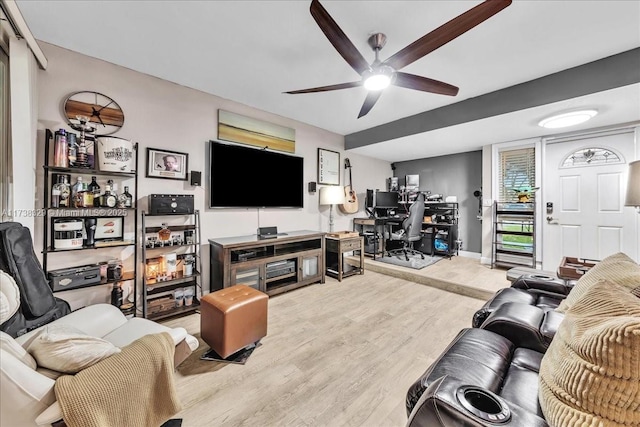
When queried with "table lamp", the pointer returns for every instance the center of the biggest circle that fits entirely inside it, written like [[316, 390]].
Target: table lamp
[[633, 186], [333, 195]]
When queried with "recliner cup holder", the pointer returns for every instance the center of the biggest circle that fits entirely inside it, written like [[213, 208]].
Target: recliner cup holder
[[483, 404]]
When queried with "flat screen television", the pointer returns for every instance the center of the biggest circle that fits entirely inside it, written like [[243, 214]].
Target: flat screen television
[[244, 177]]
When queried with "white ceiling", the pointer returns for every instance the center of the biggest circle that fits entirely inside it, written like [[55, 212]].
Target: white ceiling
[[252, 51]]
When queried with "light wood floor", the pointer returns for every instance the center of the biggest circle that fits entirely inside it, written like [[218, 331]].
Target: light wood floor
[[337, 354], [462, 275]]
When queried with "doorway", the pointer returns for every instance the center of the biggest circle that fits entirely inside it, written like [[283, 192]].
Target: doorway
[[583, 212]]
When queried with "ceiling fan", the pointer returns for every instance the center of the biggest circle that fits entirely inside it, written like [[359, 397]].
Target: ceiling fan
[[381, 74]]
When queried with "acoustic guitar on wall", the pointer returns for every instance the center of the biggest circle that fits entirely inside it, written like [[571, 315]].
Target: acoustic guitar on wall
[[350, 204]]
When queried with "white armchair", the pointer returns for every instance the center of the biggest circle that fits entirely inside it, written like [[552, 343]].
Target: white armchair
[[27, 395]]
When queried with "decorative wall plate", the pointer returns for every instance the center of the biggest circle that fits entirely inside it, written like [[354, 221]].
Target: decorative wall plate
[[104, 112]]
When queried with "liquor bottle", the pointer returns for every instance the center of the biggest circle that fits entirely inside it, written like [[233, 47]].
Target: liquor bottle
[[61, 149], [76, 193], [122, 200], [65, 192], [94, 188], [87, 196], [113, 188], [164, 234], [71, 141], [114, 192], [108, 199], [55, 193], [128, 198]]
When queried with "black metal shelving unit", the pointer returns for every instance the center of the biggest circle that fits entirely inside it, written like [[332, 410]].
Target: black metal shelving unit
[[49, 213], [441, 234], [514, 241], [154, 289]]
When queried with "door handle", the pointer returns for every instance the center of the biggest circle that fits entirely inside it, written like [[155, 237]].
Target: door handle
[[551, 220]]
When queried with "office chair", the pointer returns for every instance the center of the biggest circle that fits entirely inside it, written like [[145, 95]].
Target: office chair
[[411, 230]]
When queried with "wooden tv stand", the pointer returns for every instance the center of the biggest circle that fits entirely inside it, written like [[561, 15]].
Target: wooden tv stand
[[273, 265]]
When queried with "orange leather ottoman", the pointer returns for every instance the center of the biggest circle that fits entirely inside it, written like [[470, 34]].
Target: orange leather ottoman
[[232, 318]]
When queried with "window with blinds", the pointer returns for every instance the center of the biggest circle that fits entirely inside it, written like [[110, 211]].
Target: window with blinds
[[516, 170]]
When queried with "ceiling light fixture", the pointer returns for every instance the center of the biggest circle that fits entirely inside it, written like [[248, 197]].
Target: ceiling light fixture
[[378, 78], [567, 119]]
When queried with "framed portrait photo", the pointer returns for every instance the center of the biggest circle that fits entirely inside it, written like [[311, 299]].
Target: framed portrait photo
[[167, 164]]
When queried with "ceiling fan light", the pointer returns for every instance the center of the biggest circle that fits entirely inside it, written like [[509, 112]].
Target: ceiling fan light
[[567, 119], [378, 77], [377, 82]]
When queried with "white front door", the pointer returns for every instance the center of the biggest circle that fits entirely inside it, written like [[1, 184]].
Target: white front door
[[583, 212]]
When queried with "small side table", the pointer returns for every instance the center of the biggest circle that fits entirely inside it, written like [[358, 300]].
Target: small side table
[[336, 248]]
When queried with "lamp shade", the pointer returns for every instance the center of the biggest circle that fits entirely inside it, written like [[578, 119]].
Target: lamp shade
[[633, 185], [333, 195]]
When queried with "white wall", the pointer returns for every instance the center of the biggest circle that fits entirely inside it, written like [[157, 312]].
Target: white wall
[[23, 69], [161, 114]]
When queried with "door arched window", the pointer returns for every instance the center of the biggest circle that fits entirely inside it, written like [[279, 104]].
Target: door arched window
[[592, 156]]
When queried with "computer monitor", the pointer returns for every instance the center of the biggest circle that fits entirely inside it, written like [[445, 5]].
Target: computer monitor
[[387, 200]]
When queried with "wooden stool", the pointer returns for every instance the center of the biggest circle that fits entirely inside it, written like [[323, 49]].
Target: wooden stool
[[233, 318]]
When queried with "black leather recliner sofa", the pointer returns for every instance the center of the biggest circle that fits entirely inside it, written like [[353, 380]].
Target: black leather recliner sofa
[[481, 379], [488, 375], [536, 290]]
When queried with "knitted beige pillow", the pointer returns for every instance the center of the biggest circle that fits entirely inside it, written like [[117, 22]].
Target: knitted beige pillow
[[617, 268], [590, 375]]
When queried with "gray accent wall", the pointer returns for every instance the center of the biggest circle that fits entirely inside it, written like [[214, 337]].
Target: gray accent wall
[[453, 175]]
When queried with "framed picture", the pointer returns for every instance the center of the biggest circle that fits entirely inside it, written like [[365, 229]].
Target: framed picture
[[167, 164], [328, 167], [109, 228]]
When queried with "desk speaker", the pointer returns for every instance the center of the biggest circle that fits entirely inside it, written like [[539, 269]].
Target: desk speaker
[[196, 178]]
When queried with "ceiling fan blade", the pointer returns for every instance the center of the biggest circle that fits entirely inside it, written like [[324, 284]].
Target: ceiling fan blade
[[338, 38], [369, 102], [327, 88], [411, 81], [445, 33]]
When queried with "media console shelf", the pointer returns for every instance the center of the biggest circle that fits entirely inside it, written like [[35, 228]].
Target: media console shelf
[[273, 265]]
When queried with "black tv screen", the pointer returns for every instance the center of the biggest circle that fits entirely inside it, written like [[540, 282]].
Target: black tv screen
[[244, 177]]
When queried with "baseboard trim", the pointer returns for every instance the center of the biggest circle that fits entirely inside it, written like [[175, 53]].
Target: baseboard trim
[[467, 254]]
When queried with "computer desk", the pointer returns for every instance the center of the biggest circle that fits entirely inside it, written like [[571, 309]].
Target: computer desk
[[378, 223]]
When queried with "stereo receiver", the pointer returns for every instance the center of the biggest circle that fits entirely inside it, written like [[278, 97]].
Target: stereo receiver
[[280, 268]]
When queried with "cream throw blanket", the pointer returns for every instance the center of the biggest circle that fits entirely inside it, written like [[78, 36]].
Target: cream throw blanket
[[590, 375], [132, 388]]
